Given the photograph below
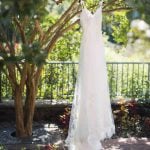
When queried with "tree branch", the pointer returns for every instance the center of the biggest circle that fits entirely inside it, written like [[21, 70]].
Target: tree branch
[[70, 26], [33, 34], [59, 21], [61, 26], [20, 29], [52, 42], [36, 29], [23, 75], [117, 9], [110, 3], [12, 75], [37, 77], [18, 67], [39, 29]]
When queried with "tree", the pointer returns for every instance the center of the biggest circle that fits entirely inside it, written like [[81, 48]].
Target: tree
[[25, 45], [138, 40], [139, 34], [141, 10]]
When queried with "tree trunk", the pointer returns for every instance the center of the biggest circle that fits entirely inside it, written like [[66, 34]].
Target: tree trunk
[[20, 130], [29, 107], [24, 114]]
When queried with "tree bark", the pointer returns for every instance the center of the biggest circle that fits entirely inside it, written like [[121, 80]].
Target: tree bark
[[20, 130], [29, 106], [24, 114]]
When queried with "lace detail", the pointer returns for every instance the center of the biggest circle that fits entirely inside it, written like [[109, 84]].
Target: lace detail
[[73, 117]]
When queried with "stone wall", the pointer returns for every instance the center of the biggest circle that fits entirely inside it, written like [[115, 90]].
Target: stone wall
[[43, 111]]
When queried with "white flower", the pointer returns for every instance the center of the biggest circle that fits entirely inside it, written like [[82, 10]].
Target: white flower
[[140, 24], [1, 58], [148, 33]]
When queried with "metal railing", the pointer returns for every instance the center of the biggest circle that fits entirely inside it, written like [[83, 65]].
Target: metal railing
[[127, 79]]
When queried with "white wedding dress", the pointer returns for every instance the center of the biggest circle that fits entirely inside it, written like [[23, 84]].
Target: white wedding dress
[[91, 116]]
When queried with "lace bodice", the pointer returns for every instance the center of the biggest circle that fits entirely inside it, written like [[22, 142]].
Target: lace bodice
[[91, 21]]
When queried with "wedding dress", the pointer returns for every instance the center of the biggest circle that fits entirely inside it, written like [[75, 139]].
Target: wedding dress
[[91, 116]]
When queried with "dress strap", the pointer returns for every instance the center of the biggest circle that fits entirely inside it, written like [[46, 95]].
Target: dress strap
[[82, 3], [101, 3]]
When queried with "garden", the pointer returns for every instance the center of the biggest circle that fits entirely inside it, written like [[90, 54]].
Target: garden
[[39, 59]]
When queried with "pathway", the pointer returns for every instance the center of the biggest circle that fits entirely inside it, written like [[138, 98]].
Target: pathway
[[44, 133]]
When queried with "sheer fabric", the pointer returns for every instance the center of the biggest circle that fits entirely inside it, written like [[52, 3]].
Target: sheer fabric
[[91, 116]]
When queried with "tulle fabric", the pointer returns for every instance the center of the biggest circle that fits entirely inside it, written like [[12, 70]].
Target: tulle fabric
[[91, 116]]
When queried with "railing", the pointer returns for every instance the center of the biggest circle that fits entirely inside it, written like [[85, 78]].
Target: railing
[[128, 79]]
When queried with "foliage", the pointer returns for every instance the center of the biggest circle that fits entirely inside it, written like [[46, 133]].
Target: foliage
[[142, 10], [116, 26], [138, 39], [120, 28], [32, 8], [2, 147], [67, 47], [138, 36], [131, 118], [64, 119]]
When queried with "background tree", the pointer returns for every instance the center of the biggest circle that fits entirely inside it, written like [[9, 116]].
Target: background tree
[[25, 44], [141, 10], [139, 34]]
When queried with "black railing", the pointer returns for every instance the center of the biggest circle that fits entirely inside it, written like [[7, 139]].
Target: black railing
[[127, 79]]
